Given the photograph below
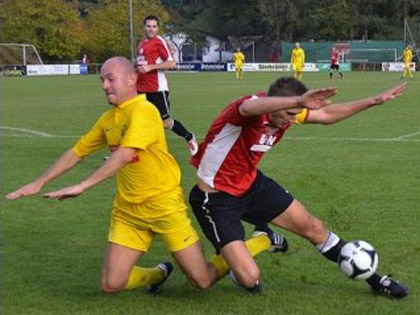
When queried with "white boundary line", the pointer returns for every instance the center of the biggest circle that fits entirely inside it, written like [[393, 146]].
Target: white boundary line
[[34, 132], [29, 133], [409, 135]]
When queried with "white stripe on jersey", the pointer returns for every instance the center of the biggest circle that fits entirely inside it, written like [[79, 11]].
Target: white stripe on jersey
[[216, 152], [162, 81], [165, 44]]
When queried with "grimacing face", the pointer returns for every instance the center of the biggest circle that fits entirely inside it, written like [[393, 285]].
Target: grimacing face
[[116, 83], [283, 116], [151, 28]]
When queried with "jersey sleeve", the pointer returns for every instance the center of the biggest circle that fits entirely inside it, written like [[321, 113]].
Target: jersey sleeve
[[142, 127], [92, 141], [164, 50], [302, 117], [232, 112]]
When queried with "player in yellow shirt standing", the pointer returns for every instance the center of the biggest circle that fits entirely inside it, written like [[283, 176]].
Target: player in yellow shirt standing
[[407, 58], [297, 61], [149, 198], [239, 60]]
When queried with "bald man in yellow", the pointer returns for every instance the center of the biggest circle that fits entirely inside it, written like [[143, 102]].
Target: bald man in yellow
[[239, 60], [149, 199], [407, 59], [297, 61]]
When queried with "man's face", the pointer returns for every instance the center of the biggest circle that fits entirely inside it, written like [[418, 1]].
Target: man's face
[[151, 28], [117, 83], [284, 116]]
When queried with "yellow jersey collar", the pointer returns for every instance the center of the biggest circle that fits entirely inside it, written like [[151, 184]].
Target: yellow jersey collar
[[138, 99]]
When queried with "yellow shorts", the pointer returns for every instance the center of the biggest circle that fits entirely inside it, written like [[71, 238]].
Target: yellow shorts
[[239, 66], [135, 225], [297, 67]]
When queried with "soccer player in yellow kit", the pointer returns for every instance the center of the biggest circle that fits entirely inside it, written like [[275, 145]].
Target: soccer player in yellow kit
[[407, 58], [239, 60], [149, 198], [297, 61]]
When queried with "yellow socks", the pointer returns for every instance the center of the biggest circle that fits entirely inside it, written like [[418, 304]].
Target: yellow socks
[[258, 244], [140, 277]]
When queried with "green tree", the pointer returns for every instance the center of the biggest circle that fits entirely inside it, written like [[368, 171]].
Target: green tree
[[333, 20], [53, 26], [109, 29]]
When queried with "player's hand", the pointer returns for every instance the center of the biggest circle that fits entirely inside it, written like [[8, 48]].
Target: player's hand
[[390, 94], [27, 190], [68, 192], [315, 99]]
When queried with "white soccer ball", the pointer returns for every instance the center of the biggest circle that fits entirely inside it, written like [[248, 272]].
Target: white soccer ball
[[358, 260]]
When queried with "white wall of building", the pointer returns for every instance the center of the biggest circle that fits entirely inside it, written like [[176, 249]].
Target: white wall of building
[[176, 41]]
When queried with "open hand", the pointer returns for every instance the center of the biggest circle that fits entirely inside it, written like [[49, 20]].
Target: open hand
[[68, 192], [27, 190], [318, 98], [390, 94]]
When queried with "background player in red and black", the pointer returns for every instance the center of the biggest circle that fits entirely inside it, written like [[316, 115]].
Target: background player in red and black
[[153, 58], [334, 63]]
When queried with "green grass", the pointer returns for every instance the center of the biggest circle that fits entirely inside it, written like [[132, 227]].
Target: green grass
[[363, 186]]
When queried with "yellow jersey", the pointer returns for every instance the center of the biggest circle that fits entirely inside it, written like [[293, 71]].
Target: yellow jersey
[[298, 56], [407, 55], [238, 58], [137, 124]]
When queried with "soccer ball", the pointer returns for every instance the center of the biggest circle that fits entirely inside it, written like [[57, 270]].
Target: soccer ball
[[358, 260]]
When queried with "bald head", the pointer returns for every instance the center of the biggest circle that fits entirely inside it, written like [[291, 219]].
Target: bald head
[[119, 80], [120, 62]]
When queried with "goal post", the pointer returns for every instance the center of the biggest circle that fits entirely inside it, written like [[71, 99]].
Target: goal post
[[371, 55], [19, 54]]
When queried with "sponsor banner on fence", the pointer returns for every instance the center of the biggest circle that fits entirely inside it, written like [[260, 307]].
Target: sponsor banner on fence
[[188, 67], [396, 66], [311, 67], [74, 69], [246, 67], [282, 67], [47, 70], [14, 71], [83, 68], [344, 67], [213, 67]]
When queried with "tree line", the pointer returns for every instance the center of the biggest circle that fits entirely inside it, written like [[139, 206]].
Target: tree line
[[63, 30]]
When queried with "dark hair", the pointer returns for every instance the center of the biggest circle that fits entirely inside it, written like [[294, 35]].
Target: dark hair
[[151, 18], [287, 86]]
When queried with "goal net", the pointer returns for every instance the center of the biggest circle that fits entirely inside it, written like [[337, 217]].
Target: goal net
[[19, 54], [371, 55]]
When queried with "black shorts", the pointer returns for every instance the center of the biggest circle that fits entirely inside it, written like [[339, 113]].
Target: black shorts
[[220, 214], [335, 67], [161, 101]]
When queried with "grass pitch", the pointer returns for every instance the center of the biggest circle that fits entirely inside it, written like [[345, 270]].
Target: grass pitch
[[361, 176]]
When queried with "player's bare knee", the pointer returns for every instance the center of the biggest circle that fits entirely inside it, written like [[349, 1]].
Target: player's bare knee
[[112, 285], [202, 283], [249, 277]]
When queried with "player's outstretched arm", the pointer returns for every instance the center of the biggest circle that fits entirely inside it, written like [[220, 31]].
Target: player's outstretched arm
[[116, 161], [67, 161], [313, 99], [337, 112]]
